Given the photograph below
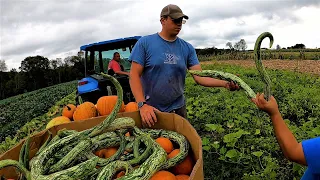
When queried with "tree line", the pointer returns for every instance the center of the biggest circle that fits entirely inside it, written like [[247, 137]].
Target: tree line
[[240, 46], [38, 72]]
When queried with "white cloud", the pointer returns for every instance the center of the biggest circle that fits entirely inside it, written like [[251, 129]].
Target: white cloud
[[305, 31], [58, 28]]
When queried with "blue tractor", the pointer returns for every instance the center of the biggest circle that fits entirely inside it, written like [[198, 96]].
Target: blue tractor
[[96, 59]]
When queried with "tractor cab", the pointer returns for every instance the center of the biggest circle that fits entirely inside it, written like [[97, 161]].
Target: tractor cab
[[96, 58]]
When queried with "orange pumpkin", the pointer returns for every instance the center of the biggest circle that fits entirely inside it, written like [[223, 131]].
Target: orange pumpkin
[[108, 152], [100, 153], [68, 110], [165, 143], [182, 177], [97, 153], [105, 105], [173, 153], [127, 134], [120, 174], [84, 111], [185, 167], [131, 107], [163, 175]]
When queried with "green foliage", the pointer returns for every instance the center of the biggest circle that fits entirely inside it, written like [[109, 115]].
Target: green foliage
[[238, 139], [37, 124], [18, 110]]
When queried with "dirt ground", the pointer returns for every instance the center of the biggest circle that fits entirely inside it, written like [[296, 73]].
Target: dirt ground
[[305, 66]]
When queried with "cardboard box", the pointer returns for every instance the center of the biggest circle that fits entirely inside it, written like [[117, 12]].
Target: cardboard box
[[168, 121]]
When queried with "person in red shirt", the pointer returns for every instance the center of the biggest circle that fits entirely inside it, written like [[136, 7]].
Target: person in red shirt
[[115, 67]]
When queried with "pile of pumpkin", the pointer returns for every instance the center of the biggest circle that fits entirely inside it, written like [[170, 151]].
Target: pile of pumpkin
[[87, 110], [180, 171], [114, 148]]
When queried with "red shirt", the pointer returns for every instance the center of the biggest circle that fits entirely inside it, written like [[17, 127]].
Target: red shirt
[[114, 65]]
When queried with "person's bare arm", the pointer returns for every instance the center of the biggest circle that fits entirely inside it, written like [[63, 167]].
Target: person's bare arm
[[290, 147], [135, 82], [147, 112], [212, 82]]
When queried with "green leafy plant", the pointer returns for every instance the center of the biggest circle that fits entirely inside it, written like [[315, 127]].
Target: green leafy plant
[[37, 124], [18, 110], [238, 139]]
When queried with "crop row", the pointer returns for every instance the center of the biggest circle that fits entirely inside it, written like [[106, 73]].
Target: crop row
[[18, 110]]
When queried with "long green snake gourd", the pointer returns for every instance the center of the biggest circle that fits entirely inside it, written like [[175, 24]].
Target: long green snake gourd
[[231, 77]]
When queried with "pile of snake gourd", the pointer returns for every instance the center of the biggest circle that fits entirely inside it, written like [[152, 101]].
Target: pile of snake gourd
[[69, 155]]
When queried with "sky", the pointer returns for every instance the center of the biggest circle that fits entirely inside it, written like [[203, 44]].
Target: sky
[[57, 28]]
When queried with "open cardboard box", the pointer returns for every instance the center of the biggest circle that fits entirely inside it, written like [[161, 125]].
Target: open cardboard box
[[168, 121]]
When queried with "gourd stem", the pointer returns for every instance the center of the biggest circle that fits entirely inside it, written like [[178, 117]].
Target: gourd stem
[[19, 166]]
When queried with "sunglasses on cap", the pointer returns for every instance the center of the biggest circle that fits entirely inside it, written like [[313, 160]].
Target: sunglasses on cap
[[178, 21]]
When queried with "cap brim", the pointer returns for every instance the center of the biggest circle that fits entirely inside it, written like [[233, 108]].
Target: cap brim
[[178, 15]]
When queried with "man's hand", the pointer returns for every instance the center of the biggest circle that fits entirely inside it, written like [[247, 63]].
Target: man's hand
[[270, 107], [147, 115], [232, 86]]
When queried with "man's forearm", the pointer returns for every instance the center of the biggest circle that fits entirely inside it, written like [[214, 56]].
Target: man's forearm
[[210, 82], [285, 138], [136, 87], [122, 72]]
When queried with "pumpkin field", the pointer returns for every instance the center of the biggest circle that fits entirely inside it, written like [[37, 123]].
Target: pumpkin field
[[238, 139]]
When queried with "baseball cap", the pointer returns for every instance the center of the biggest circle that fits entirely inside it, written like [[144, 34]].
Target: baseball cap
[[173, 11]]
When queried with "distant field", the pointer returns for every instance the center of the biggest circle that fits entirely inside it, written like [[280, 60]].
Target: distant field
[[304, 66], [265, 55]]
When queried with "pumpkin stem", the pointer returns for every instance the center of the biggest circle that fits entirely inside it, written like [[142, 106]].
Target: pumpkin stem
[[69, 108]]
